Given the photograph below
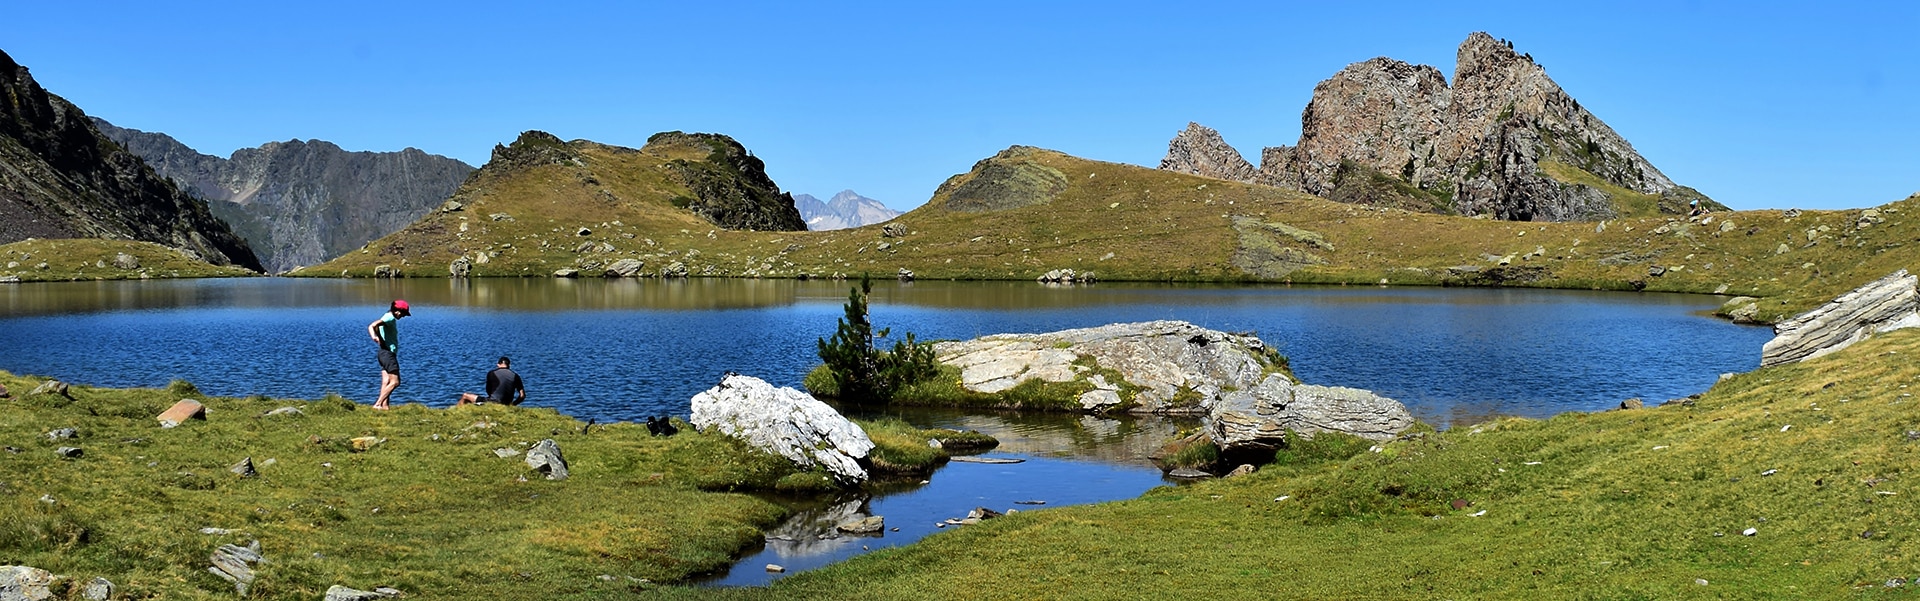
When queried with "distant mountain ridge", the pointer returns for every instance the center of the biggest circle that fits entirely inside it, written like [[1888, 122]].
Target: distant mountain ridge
[[61, 178], [302, 202], [848, 209], [1503, 140]]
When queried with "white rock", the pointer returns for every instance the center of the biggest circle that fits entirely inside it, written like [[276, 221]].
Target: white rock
[[786, 422], [1889, 303]]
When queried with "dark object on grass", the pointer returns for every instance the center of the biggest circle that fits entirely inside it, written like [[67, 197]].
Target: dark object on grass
[[589, 426], [661, 426]]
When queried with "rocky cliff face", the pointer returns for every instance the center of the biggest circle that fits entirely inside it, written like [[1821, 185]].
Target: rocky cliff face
[[845, 210], [1503, 140], [60, 178], [730, 186], [300, 203]]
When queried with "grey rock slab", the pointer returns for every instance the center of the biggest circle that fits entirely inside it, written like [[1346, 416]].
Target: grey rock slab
[[625, 268], [341, 593], [545, 457], [1188, 473], [867, 525], [63, 433], [786, 422], [244, 468], [235, 563], [1260, 416], [284, 411], [987, 460], [68, 452], [1164, 359], [1886, 304], [25, 583]]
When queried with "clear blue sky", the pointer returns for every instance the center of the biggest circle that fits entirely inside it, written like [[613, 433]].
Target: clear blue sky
[[1759, 105]]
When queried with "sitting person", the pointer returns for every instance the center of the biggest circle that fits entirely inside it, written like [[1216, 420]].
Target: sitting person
[[503, 387]]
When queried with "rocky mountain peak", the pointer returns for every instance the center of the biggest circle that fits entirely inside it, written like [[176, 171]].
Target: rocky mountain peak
[[1200, 150], [730, 186], [846, 209], [1502, 140]]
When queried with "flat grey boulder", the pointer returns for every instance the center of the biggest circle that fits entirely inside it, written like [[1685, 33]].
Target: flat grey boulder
[[1178, 367], [24, 583], [1889, 303], [785, 422], [235, 563], [625, 268], [1260, 416], [341, 593]]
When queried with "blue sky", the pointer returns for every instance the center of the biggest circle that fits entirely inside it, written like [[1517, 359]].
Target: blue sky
[[1759, 105]]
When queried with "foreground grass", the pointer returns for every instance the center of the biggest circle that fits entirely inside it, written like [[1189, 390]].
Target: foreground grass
[[1639, 504], [75, 259], [431, 510]]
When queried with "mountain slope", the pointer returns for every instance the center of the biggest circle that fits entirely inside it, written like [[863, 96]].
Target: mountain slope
[[60, 178], [300, 203], [1503, 140], [846, 209], [542, 204]]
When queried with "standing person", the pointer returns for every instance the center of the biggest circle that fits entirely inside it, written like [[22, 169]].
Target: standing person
[[386, 332]]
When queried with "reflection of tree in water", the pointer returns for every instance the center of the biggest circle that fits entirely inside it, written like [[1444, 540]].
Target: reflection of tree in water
[[801, 535]]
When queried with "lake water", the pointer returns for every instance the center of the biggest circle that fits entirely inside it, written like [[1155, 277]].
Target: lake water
[[624, 349]]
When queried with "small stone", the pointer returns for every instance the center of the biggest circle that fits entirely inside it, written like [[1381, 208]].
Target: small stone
[[68, 452], [583, 232], [97, 589], [63, 433], [1896, 582], [1244, 469], [215, 531], [284, 411], [53, 387], [504, 452], [341, 593], [775, 568], [25, 583], [1749, 532], [1700, 581], [182, 411], [1769, 472], [866, 525], [244, 468], [1633, 403], [546, 458], [366, 443], [1786, 427]]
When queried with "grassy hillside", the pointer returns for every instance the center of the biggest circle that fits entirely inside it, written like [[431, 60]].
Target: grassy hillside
[[1634, 504], [430, 509], [1026, 211], [94, 259]]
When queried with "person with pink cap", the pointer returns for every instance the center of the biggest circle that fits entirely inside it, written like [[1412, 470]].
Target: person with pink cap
[[386, 333]]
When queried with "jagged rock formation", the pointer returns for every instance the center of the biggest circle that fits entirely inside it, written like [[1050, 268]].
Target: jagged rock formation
[[300, 203], [1008, 180], [845, 210], [60, 178], [1200, 150], [730, 185], [1889, 303], [1503, 140]]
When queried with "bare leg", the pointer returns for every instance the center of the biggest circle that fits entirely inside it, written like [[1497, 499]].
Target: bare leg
[[388, 382]]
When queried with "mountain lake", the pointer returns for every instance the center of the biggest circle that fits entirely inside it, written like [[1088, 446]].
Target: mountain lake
[[622, 350]]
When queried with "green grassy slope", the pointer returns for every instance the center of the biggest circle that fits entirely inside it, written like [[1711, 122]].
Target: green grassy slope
[[1027, 211], [1637, 504], [70, 259]]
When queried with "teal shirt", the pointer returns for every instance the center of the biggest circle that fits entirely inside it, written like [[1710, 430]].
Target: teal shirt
[[390, 332]]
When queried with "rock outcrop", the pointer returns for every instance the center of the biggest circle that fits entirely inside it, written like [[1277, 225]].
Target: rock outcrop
[[1503, 140], [1167, 366], [1199, 150], [730, 186], [1260, 416], [786, 422], [302, 202], [1889, 303], [60, 178], [845, 210]]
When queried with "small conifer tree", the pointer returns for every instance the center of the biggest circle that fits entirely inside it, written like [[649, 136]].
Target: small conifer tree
[[859, 371]]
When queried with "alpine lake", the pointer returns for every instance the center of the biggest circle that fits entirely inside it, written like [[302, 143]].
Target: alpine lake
[[623, 350]]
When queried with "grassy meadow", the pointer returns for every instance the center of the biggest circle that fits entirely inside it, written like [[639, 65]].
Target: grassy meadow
[[431, 509], [80, 259]]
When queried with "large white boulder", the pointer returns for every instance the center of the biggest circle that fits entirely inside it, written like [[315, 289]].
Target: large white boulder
[[786, 422]]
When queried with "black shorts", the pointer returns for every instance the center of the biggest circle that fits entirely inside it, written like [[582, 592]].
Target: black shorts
[[389, 363]]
